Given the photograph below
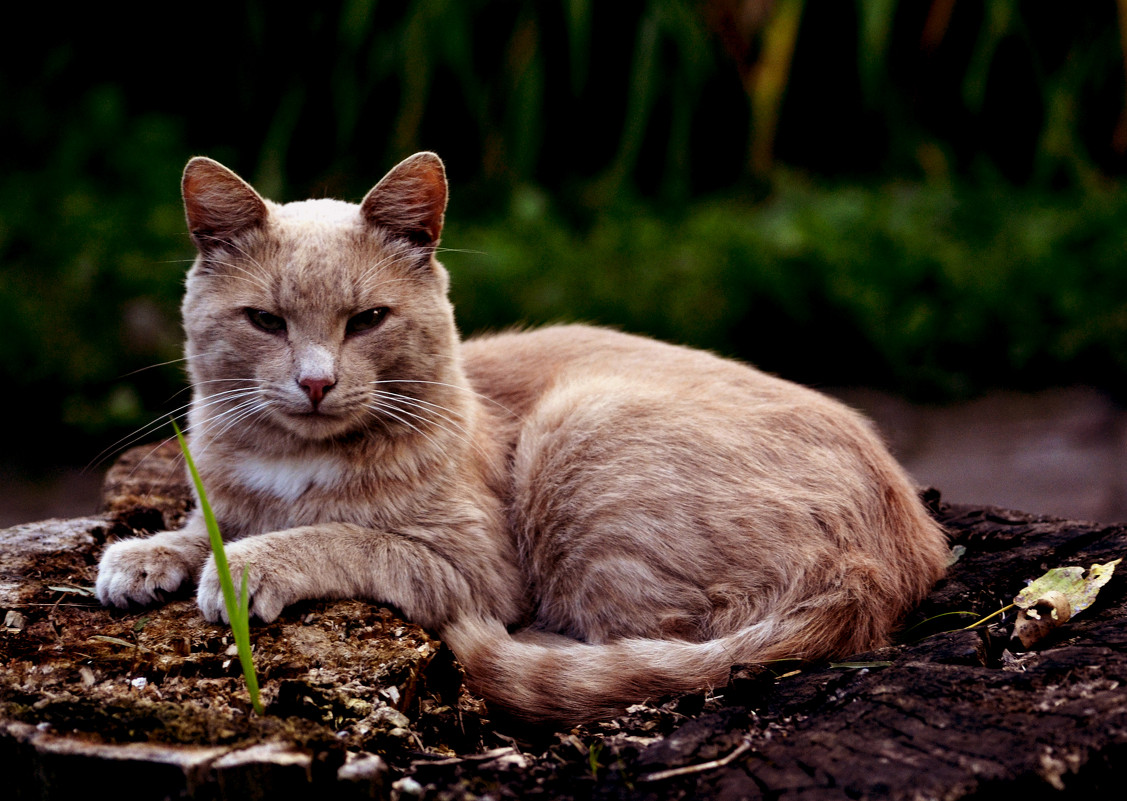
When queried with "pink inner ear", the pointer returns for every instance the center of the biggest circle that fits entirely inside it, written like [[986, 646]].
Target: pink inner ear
[[410, 201], [218, 203]]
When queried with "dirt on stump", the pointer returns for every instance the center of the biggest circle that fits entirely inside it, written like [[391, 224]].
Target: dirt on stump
[[368, 705]]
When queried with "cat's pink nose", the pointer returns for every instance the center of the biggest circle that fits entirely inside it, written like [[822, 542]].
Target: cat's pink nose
[[316, 388]]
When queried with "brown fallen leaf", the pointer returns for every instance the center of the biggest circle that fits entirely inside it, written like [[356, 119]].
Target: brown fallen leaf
[[1042, 615]]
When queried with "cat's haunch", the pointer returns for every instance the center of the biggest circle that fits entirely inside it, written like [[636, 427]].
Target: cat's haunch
[[649, 514]]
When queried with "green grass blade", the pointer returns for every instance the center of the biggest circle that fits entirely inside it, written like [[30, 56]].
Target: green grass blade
[[237, 606], [1005, 608], [243, 644]]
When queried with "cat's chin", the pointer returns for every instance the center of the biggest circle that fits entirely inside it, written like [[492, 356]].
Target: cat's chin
[[316, 425]]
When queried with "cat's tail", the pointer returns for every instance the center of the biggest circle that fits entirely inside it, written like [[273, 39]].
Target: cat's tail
[[539, 676]]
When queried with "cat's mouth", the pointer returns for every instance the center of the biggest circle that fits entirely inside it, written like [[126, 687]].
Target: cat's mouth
[[314, 414], [315, 423]]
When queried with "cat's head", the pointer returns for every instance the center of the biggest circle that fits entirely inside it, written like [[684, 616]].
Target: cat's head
[[310, 317]]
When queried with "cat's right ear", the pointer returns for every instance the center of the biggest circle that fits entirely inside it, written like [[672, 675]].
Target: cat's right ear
[[219, 204]]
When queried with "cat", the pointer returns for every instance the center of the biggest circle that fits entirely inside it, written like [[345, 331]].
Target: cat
[[642, 515]]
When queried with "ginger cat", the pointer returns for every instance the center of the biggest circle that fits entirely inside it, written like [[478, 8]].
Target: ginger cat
[[649, 514]]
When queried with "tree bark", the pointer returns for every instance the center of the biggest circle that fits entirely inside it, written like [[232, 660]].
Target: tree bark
[[947, 712]]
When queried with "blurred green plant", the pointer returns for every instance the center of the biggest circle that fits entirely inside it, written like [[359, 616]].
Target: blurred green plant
[[935, 290], [91, 249], [918, 195]]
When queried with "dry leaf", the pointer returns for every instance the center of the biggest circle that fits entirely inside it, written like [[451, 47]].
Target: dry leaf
[[1042, 616], [1055, 597], [1080, 590]]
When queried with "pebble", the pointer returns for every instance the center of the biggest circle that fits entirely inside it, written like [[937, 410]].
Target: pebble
[[392, 717], [362, 768], [406, 788]]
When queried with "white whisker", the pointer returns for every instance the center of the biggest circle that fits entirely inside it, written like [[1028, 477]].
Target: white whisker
[[388, 261], [451, 386], [178, 461], [155, 366], [426, 407], [135, 436], [256, 280], [227, 420], [460, 250], [241, 251], [383, 409], [422, 418]]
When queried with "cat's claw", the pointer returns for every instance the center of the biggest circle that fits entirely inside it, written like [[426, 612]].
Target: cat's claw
[[267, 598], [139, 571]]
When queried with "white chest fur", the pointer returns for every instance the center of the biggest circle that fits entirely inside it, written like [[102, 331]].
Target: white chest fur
[[289, 479]]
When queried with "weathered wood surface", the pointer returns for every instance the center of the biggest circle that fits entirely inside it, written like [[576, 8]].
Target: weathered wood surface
[[953, 714]]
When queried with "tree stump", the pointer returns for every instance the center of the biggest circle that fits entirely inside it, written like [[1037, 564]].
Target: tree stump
[[365, 705]]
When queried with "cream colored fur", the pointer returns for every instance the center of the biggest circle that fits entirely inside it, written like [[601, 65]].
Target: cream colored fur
[[646, 515]]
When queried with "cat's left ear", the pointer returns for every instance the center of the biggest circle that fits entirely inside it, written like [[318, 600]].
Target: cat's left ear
[[410, 201]]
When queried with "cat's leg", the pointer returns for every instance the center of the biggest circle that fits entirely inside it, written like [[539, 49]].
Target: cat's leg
[[431, 575], [139, 570]]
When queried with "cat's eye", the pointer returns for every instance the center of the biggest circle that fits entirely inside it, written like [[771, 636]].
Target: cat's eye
[[365, 320], [266, 321]]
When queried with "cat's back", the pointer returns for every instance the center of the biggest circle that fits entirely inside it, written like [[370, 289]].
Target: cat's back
[[591, 396], [518, 368], [621, 388]]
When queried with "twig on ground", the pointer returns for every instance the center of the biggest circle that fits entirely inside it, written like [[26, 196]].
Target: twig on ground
[[688, 770]]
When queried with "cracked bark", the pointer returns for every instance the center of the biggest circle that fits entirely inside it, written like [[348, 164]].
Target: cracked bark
[[953, 715]]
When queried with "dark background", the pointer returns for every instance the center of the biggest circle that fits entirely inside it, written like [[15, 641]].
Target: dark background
[[922, 197]]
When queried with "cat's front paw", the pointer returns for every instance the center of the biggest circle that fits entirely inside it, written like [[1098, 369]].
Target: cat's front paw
[[140, 570], [268, 590]]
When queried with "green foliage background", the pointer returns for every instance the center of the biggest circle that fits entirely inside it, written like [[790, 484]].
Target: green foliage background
[[922, 196]]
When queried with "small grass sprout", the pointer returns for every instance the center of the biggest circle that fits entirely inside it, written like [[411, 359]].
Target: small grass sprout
[[237, 605]]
